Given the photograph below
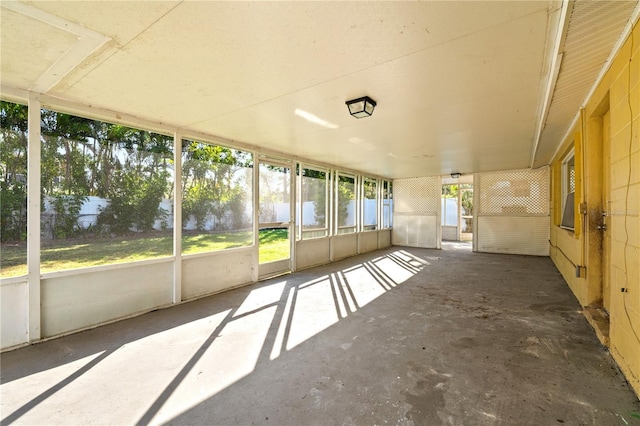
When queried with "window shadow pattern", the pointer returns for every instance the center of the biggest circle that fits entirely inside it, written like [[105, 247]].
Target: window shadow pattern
[[268, 319]]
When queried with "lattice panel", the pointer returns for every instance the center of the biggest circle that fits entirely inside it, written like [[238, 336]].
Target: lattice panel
[[514, 193], [416, 196]]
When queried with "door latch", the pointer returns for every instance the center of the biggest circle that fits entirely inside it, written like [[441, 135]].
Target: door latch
[[602, 227]]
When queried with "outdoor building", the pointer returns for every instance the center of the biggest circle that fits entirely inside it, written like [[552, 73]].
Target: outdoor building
[[158, 153]]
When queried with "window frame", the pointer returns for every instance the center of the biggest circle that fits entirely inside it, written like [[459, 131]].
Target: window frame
[[567, 200], [345, 229], [371, 226], [327, 197]]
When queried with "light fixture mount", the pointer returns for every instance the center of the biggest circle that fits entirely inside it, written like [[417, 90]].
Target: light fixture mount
[[361, 107]]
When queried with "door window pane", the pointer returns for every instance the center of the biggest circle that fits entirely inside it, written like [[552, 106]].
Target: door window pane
[[274, 213]]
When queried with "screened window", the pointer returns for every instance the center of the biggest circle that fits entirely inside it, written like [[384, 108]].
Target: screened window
[[346, 204], [314, 206], [107, 193], [387, 204], [568, 191], [370, 204], [13, 188], [217, 210]]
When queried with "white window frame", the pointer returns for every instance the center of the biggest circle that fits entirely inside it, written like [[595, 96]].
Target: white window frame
[[339, 230], [327, 227], [375, 226]]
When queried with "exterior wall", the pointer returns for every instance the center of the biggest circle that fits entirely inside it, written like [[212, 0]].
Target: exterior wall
[[618, 94]]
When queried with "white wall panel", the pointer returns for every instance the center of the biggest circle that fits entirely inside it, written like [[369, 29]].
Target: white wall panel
[[217, 271], [14, 314], [80, 299], [312, 252], [344, 246], [384, 238], [416, 208], [415, 231], [514, 235], [367, 241]]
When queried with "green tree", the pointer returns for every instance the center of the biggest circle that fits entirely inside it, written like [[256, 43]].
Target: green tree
[[138, 181], [211, 184], [13, 169]]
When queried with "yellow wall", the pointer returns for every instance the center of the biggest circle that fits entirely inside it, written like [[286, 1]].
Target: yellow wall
[[619, 94]]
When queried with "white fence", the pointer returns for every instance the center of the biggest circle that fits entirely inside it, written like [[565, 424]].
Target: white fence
[[91, 208]]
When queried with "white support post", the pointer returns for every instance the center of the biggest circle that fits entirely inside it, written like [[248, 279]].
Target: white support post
[[33, 218], [476, 205], [256, 217], [439, 214], [177, 218], [293, 208]]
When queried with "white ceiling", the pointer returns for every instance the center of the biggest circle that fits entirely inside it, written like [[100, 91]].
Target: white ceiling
[[460, 86]]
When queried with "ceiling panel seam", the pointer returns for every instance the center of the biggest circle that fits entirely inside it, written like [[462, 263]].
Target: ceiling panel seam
[[88, 42], [116, 49]]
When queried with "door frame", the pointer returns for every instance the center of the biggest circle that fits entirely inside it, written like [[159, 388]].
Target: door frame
[[606, 214], [284, 266]]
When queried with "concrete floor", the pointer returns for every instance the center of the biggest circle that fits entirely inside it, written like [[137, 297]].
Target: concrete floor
[[400, 336]]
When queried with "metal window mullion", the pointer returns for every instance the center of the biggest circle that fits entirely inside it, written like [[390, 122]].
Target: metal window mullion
[[33, 218]]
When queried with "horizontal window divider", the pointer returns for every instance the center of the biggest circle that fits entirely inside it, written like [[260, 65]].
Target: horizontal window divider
[[305, 240], [100, 268], [215, 252], [18, 279], [268, 225]]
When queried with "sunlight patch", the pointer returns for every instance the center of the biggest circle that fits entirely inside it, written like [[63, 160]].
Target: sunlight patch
[[364, 286], [314, 310], [261, 297], [231, 356]]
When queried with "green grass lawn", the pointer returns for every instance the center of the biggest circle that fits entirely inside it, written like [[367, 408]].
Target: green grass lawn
[[60, 255], [274, 245]]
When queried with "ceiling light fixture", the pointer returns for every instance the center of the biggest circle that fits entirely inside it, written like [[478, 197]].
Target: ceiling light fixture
[[456, 175], [361, 107]]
